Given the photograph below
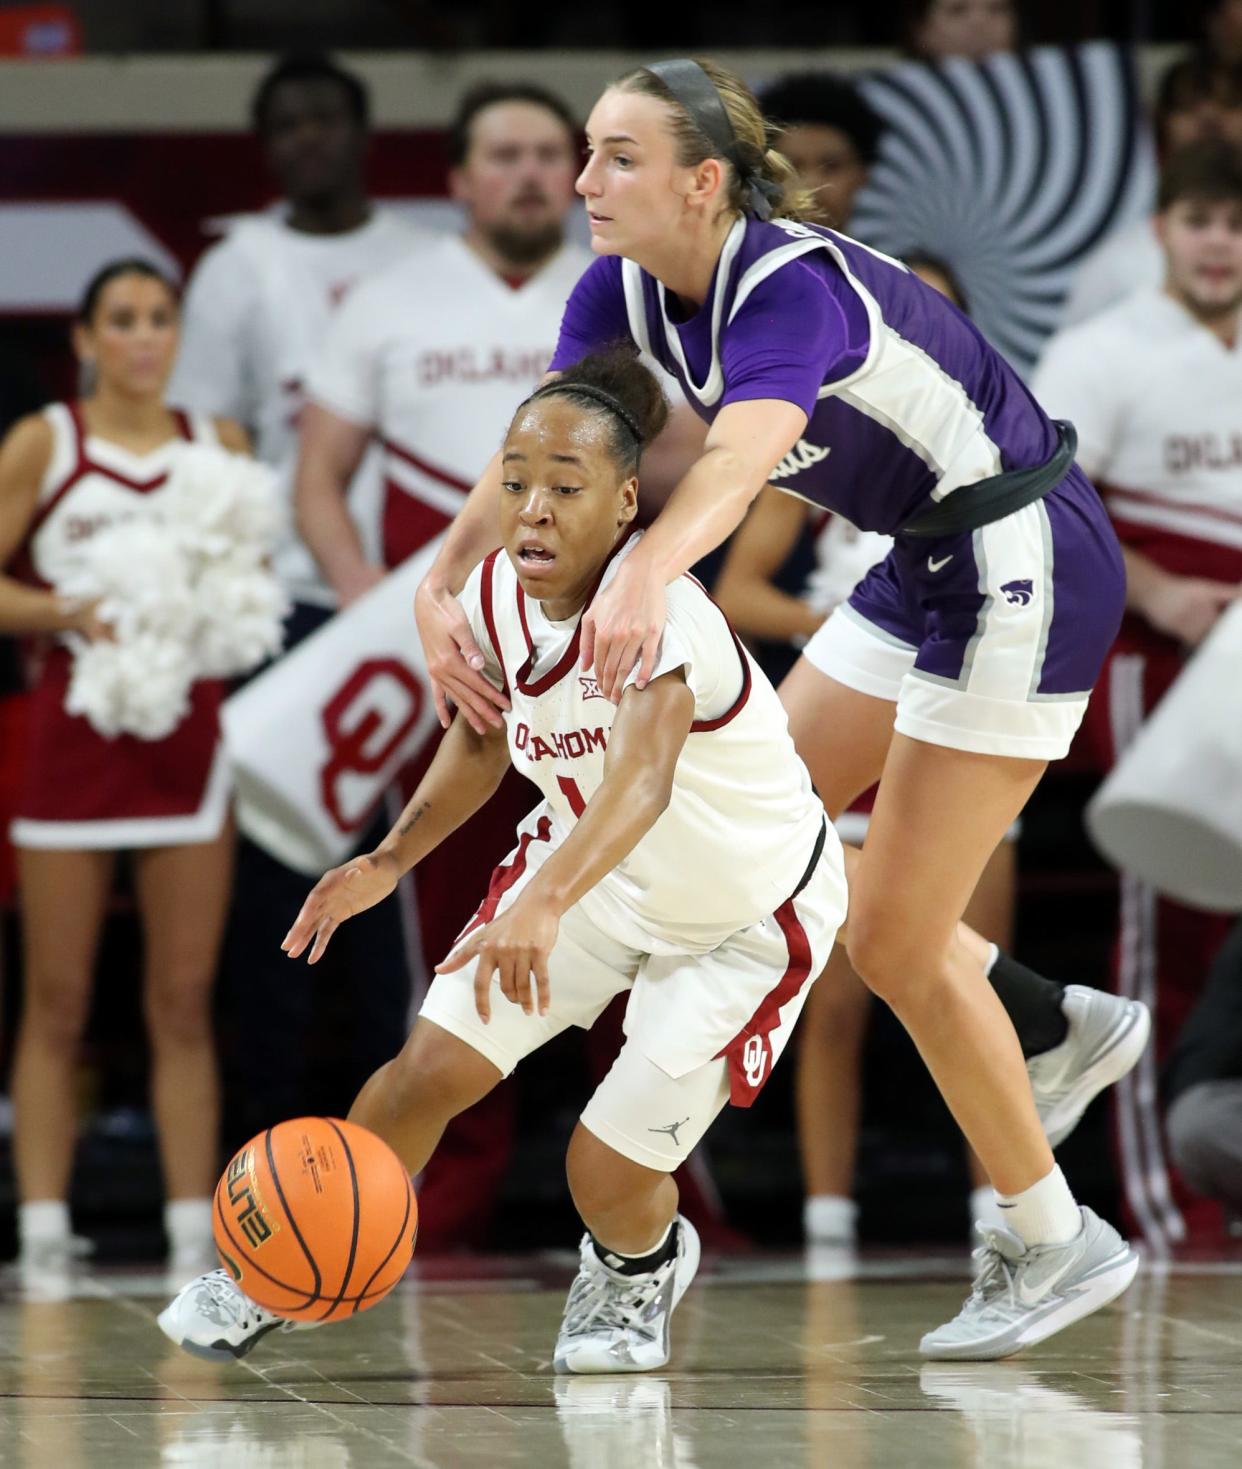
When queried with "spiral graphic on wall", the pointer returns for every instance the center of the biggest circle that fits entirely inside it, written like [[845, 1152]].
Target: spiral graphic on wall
[[1009, 171]]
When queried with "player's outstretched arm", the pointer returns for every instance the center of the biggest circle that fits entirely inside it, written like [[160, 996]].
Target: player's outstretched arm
[[622, 626], [646, 740], [464, 774]]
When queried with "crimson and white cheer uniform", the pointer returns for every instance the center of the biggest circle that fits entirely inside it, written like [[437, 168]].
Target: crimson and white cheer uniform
[[1157, 401], [433, 355], [80, 790], [716, 923]]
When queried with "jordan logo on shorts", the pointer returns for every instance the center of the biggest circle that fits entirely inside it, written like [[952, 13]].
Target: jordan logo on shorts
[[671, 1129], [1020, 593]]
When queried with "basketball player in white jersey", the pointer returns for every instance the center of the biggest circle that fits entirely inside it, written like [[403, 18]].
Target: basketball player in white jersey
[[65, 474], [426, 361], [1154, 385], [258, 309], [259, 304], [627, 877]]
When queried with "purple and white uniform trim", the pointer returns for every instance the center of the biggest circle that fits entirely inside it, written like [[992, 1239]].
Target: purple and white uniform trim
[[989, 640]]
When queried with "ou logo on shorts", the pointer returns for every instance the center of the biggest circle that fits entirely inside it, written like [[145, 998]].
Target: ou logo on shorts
[[754, 1060]]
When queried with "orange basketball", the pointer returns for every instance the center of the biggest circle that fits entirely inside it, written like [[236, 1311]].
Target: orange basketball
[[316, 1219]]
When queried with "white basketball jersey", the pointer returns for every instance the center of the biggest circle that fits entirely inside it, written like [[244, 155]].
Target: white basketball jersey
[[743, 821], [91, 483], [1155, 398], [435, 354], [255, 318]]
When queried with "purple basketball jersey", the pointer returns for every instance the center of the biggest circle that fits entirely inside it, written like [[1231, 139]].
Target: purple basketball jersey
[[905, 400]]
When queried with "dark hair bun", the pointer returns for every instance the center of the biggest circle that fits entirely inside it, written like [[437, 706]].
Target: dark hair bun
[[618, 372]]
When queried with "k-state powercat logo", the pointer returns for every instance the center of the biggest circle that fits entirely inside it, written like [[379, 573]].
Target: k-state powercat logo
[[1021, 593]]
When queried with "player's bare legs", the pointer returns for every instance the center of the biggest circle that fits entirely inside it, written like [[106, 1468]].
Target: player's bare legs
[[828, 1092], [832, 1038], [183, 895], [412, 1099], [938, 816], [625, 1206], [63, 897]]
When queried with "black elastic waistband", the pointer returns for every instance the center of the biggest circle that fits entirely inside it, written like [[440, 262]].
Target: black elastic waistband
[[971, 506], [815, 856]]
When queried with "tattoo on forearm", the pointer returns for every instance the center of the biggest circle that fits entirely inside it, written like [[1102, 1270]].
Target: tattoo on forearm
[[413, 818]]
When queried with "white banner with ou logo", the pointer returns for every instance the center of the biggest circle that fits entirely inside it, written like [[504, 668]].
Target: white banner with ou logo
[[316, 740]]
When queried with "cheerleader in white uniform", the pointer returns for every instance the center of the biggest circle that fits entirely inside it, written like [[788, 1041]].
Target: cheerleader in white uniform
[[65, 474]]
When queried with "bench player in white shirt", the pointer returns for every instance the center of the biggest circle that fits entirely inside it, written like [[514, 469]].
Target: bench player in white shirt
[[679, 853], [260, 303], [1154, 386]]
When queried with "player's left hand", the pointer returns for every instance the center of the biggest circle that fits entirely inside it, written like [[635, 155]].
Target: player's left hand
[[622, 627], [514, 946]]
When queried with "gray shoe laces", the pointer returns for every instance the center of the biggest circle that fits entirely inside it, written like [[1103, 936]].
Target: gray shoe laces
[[220, 1301], [599, 1301]]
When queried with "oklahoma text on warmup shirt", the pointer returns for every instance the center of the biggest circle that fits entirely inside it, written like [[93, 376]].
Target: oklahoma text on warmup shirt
[[989, 640], [743, 820]]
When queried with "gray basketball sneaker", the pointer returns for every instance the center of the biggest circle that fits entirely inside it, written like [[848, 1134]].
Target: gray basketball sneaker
[[620, 1323], [1106, 1037], [211, 1318], [1021, 1296]]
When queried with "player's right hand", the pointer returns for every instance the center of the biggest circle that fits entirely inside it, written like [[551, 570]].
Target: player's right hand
[[454, 660], [351, 888]]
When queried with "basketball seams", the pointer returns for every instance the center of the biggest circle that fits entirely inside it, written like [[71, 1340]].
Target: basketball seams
[[353, 1241], [243, 1254], [284, 1204], [409, 1196]]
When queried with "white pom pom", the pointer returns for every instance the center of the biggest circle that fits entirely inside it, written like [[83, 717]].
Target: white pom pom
[[183, 586]]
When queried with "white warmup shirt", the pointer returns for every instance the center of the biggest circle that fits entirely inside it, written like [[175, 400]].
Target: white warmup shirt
[[743, 821], [1157, 401], [255, 316], [1128, 260], [434, 355]]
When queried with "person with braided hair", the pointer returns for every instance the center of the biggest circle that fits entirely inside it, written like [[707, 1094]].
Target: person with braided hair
[[624, 878], [959, 667]]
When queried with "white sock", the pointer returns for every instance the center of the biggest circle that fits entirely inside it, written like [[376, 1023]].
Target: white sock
[[983, 1207], [830, 1219], [993, 956], [1044, 1214], [187, 1223], [43, 1221]]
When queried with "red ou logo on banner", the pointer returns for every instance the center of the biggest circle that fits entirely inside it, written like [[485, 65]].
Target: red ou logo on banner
[[365, 726]]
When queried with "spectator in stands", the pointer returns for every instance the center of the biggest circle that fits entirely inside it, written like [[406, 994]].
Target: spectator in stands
[[1199, 98], [1221, 23], [1154, 386], [788, 567], [831, 135], [257, 311], [935, 30]]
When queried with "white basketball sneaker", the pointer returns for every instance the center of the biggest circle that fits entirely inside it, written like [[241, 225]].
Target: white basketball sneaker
[[620, 1323], [211, 1318], [1107, 1034], [1023, 1295]]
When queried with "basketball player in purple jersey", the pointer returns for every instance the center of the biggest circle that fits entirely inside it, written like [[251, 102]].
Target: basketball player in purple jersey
[[831, 371]]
